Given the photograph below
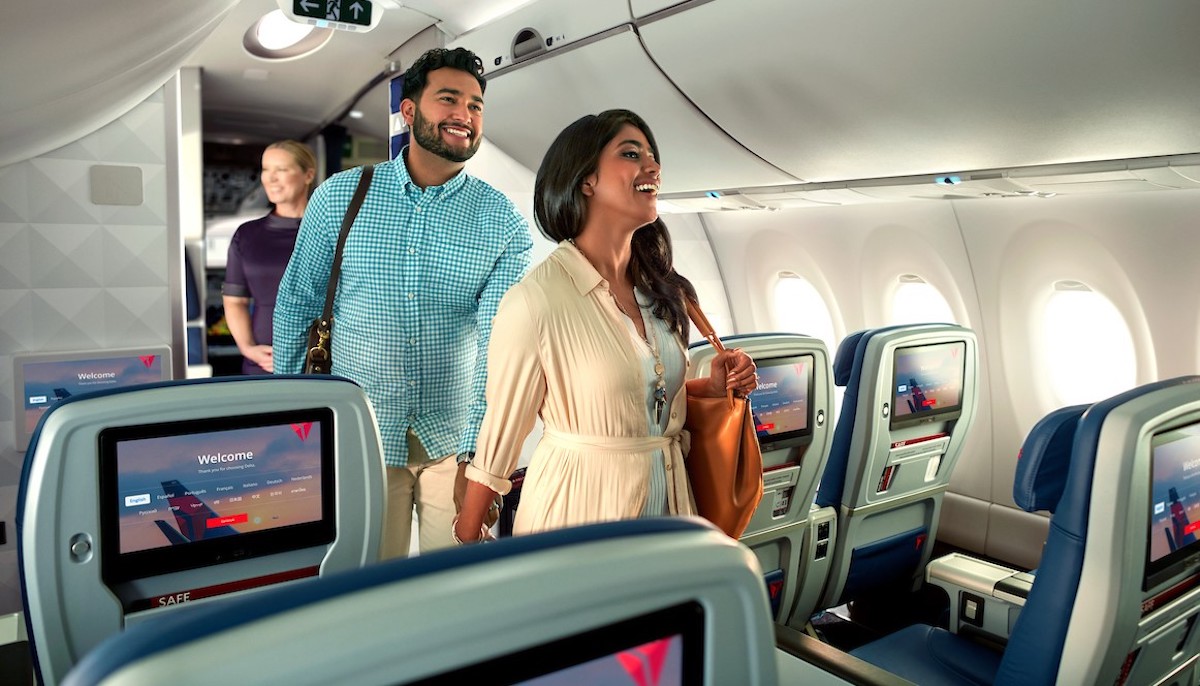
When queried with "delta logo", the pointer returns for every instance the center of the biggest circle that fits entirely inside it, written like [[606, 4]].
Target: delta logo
[[644, 664], [148, 360], [302, 430]]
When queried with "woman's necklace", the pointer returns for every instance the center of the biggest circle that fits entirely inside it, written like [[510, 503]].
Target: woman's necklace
[[660, 384]]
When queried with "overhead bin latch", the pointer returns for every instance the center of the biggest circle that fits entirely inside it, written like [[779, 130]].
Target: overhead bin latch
[[526, 44]]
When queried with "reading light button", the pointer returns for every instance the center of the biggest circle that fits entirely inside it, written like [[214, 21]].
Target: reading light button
[[887, 409]]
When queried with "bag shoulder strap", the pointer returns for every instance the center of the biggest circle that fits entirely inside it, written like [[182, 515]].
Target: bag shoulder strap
[[335, 272], [706, 330], [702, 324]]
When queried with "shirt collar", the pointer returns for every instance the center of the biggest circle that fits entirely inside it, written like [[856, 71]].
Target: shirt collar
[[407, 184], [582, 273]]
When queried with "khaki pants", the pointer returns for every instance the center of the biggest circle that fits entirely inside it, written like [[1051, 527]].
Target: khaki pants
[[427, 484]]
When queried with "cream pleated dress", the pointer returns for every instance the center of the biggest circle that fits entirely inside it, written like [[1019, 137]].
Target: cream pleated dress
[[561, 348]]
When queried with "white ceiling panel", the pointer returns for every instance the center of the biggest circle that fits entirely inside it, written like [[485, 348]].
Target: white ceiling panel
[[869, 88], [528, 106]]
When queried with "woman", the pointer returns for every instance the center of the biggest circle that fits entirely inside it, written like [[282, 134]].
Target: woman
[[260, 249], [594, 340]]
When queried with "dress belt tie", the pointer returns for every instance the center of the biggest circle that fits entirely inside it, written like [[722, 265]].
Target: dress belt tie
[[609, 444]]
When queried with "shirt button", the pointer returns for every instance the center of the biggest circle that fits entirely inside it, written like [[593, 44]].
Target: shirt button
[[673, 415], [411, 296], [412, 251], [413, 341], [412, 382]]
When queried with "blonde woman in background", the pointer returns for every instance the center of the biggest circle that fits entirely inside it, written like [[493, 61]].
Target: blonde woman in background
[[260, 249]]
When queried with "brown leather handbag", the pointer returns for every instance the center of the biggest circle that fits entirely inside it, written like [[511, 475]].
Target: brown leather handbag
[[724, 464]]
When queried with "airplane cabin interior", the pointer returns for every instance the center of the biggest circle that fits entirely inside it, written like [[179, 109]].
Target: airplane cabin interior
[[958, 241]]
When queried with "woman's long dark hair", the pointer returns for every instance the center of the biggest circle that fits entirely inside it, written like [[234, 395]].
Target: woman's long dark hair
[[559, 207]]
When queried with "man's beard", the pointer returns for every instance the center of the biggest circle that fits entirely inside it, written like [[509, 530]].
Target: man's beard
[[426, 134]]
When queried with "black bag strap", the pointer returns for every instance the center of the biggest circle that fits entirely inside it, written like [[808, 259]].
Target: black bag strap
[[335, 272]]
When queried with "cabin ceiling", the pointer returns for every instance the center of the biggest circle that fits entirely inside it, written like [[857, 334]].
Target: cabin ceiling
[[742, 94], [820, 92]]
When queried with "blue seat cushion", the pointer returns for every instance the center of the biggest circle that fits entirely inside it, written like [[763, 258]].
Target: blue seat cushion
[[930, 656]]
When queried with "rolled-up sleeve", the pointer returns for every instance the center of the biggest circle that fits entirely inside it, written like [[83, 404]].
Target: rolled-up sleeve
[[516, 388]]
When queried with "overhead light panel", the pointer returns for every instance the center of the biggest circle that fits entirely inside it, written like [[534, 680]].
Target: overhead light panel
[[276, 37]]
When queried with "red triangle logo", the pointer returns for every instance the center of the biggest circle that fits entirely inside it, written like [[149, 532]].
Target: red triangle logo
[[148, 360], [302, 430]]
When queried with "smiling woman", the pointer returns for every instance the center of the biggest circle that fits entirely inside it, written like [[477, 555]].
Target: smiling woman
[[260, 250], [606, 369]]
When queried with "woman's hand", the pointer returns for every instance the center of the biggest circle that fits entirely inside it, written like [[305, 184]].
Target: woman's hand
[[469, 526], [261, 355], [729, 369]]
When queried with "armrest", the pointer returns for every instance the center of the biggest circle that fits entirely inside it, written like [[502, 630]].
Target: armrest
[[829, 659]]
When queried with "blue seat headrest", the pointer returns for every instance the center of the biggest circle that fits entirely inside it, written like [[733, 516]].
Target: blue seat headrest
[[843, 361], [1045, 458]]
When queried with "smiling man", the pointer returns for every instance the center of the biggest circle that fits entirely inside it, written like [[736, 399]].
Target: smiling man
[[425, 264]]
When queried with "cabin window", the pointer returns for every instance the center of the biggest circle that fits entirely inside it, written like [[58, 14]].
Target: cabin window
[[1088, 347], [916, 302], [799, 308]]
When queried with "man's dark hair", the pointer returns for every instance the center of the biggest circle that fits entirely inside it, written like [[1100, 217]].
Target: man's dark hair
[[458, 58]]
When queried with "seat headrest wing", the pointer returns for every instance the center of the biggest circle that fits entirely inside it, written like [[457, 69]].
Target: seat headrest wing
[[1045, 457], [843, 361]]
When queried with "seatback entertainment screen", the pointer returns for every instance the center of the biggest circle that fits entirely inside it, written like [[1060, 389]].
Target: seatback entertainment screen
[[188, 494], [1174, 534], [46, 379], [782, 402], [665, 647], [927, 383]]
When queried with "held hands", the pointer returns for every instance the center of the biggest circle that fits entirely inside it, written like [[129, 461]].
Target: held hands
[[732, 369], [460, 496], [478, 509]]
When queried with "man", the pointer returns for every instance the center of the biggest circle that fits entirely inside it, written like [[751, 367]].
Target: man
[[425, 265]]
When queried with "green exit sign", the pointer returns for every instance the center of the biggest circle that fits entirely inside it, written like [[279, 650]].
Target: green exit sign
[[356, 12]]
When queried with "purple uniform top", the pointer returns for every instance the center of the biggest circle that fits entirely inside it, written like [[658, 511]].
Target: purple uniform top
[[258, 255]]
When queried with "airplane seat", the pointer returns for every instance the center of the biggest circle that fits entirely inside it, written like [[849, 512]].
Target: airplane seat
[[923, 654], [1117, 595], [661, 600], [910, 399], [135, 502], [792, 407]]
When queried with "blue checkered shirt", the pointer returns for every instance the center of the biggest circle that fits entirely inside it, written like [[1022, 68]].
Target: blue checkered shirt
[[422, 275]]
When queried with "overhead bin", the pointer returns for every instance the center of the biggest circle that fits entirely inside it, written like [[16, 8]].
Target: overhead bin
[[529, 102], [842, 91], [538, 28]]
